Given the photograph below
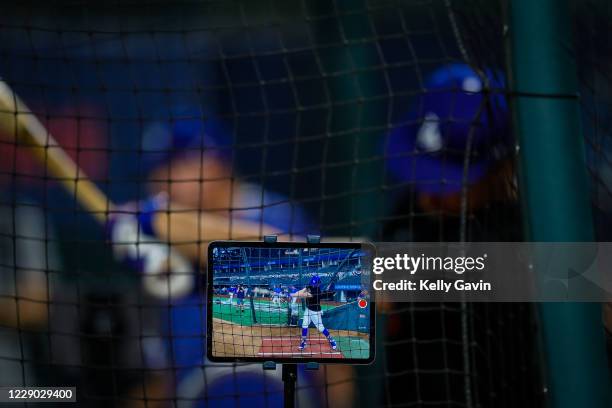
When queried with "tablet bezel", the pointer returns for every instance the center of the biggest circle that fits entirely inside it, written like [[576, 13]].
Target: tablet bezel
[[281, 360]]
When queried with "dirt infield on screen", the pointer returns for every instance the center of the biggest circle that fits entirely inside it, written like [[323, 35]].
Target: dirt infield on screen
[[237, 334]]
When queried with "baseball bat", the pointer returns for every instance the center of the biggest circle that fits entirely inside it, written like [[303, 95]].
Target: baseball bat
[[17, 119]]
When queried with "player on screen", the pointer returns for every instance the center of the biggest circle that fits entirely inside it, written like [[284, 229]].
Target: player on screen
[[293, 306], [231, 292], [240, 295], [276, 295], [312, 294]]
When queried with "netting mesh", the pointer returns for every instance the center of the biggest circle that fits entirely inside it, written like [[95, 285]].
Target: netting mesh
[[266, 116], [593, 57]]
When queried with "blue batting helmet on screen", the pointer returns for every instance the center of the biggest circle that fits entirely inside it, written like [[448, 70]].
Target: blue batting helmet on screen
[[315, 280], [187, 129], [428, 149]]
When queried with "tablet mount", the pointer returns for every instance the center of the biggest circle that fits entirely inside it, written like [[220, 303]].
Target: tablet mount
[[290, 369]]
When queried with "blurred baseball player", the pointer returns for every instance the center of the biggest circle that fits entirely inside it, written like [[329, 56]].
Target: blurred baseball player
[[440, 197], [312, 314], [195, 198], [427, 153]]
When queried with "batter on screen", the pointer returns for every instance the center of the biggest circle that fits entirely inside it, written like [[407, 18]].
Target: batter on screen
[[312, 294]]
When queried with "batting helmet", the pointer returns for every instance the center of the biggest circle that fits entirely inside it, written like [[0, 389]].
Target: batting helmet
[[315, 280], [428, 148], [187, 129]]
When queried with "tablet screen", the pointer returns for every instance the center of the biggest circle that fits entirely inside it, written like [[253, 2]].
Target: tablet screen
[[290, 301]]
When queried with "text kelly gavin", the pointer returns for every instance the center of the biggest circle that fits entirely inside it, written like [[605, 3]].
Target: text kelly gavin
[[438, 285]]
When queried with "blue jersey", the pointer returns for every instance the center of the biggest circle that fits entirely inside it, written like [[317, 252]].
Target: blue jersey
[[207, 384]]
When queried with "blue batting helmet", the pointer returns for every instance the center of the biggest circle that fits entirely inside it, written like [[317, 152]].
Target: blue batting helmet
[[315, 280], [187, 129], [428, 148]]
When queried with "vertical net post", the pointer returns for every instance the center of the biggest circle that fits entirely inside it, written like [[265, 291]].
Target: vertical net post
[[555, 189], [358, 116], [289, 379]]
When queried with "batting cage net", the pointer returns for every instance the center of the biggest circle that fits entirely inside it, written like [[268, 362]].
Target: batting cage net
[[198, 121]]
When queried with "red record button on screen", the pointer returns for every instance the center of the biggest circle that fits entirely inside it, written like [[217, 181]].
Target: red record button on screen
[[362, 303]]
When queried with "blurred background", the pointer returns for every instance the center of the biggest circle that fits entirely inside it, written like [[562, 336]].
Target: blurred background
[[383, 120]]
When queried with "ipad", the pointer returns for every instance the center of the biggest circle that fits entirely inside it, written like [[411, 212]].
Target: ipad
[[290, 302]]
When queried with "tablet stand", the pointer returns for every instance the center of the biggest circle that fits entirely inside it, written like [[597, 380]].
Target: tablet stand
[[289, 373]]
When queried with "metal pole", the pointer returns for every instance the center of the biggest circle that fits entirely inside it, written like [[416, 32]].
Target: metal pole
[[355, 137], [289, 380], [554, 188]]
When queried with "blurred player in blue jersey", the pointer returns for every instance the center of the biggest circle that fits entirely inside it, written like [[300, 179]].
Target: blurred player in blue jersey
[[426, 154], [188, 161], [452, 157], [312, 294]]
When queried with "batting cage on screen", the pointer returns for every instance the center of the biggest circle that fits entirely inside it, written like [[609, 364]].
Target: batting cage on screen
[[289, 302], [133, 134]]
